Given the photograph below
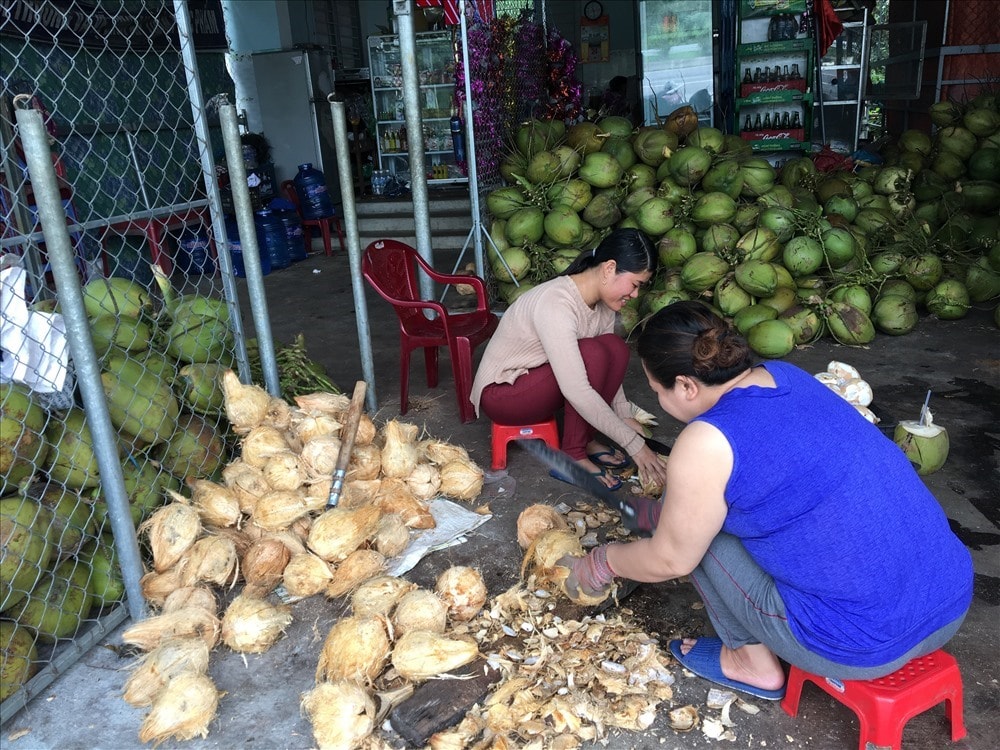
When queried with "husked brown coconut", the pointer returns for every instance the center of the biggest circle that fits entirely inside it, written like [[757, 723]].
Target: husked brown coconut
[[261, 443], [377, 596], [424, 481], [246, 405], [332, 404], [339, 531], [420, 609], [543, 557], [279, 509], [395, 496], [462, 589], [263, 565], [357, 568], [251, 625], [439, 452], [182, 710], [356, 648], [171, 531], [247, 483], [292, 536], [461, 480], [536, 519], [306, 575], [307, 426], [367, 431], [420, 654], [187, 622], [278, 415], [319, 456], [242, 539], [155, 669], [216, 504], [366, 462], [283, 471], [156, 587], [399, 454], [212, 559], [191, 596], [358, 492], [342, 714], [392, 535]]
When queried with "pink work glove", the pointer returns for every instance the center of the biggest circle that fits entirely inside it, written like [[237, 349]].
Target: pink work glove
[[647, 515], [589, 575]]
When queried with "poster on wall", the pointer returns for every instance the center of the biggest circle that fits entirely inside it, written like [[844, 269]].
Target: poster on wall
[[595, 33]]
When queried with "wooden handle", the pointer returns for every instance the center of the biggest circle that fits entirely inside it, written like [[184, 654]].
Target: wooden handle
[[347, 435]]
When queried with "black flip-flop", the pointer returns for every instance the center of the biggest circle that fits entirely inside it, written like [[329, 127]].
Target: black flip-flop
[[555, 474], [598, 458]]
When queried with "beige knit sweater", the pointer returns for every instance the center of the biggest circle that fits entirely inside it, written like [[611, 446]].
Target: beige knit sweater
[[544, 325]]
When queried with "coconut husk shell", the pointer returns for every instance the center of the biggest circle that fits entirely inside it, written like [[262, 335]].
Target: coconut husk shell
[[284, 472], [307, 426], [331, 404], [392, 535], [439, 452], [367, 431], [357, 568], [247, 484], [191, 596], [462, 589], [246, 405], [171, 531], [242, 539], [378, 596], [395, 496], [399, 454], [212, 559], [182, 710], [461, 480], [548, 548], [306, 575], [319, 456], [339, 531], [424, 481], [216, 503], [358, 492], [356, 648], [300, 527], [187, 622], [535, 520], [342, 714], [156, 587], [263, 565], [365, 463], [155, 669], [420, 654], [252, 625], [420, 609], [261, 443], [278, 415], [279, 509], [292, 536]]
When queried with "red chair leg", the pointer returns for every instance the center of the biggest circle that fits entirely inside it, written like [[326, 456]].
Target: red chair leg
[[431, 365], [404, 379], [324, 227], [307, 239], [340, 232], [461, 366], [793, 691]]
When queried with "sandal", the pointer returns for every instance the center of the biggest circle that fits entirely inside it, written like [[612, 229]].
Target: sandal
[[606, 460], [616, 484]]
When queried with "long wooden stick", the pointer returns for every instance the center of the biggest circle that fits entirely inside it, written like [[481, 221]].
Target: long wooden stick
[[347, 435]]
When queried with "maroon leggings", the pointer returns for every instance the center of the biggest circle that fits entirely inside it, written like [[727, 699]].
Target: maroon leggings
[[535, 396]]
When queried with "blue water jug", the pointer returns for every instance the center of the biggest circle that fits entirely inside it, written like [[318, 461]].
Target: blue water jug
[[293, 235], [314, 198], [194, 254], [236, 252], [272, 238]]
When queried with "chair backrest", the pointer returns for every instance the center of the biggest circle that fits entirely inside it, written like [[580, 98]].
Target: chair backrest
[[390, 267], [288, 188]]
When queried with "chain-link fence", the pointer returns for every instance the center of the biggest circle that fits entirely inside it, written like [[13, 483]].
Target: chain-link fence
[[116, 328]]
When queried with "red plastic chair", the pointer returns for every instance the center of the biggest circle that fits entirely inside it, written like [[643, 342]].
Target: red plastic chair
[[308, 225], [390, 267]]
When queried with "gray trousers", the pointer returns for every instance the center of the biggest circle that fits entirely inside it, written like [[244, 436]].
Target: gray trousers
[[744, 606]]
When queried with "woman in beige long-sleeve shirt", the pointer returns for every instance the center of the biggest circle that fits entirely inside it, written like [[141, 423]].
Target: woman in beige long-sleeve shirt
[[556, 348]]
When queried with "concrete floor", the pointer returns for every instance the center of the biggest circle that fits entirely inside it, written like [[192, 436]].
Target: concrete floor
[[959, 361]]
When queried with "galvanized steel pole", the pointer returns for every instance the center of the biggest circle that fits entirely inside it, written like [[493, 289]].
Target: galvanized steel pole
[[354, 247], [59, 247], [470, 149]]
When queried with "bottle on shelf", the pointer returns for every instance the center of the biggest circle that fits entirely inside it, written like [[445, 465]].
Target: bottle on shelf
[[403, 145], [795, 72], [747, 78], [766, 77], [785, 122], [457, 136], [785, 76], [757, 125], [756, 75], [777, 72], [747, 125], [767, 121], [796, 121]]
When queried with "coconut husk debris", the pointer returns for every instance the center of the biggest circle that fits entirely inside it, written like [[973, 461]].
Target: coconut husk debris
[[265, 526]]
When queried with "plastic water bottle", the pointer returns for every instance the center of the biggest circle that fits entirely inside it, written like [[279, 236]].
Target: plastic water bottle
[[457, 138], [195, 254], [272, 238], [293, 235], [310, 185], [236, 252]]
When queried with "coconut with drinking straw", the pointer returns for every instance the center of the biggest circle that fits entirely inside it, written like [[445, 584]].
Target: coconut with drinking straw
[[923, 442]]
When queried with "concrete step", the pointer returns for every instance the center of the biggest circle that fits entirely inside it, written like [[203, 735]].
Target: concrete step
[[387, 218]]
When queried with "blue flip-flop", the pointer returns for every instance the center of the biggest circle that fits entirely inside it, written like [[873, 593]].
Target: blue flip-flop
[[599, 459], [703, 660], [555, 474]]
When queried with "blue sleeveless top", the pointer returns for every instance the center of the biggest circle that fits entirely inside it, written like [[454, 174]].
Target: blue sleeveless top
[[860, 550]]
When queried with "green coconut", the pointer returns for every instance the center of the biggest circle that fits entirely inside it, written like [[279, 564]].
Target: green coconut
[[771, 338], [26, 547], [58, 604], [20, 658], [23, 445], [948, 300], [925, 445]]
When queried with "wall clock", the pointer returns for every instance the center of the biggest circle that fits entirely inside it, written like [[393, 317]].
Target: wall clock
[[593, 10]]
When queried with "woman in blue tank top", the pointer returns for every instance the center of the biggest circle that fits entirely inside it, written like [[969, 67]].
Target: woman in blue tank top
[[838, 561]]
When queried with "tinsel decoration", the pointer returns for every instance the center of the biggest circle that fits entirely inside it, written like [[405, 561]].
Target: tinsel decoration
[[564, 89]]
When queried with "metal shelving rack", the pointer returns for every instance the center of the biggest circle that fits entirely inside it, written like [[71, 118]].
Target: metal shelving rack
[[843, 73]]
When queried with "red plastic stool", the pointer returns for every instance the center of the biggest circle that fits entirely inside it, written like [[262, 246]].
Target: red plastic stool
[[884, 705], [503, 434]]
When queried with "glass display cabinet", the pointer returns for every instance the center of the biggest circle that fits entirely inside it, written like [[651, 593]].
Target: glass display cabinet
[[436, 71]]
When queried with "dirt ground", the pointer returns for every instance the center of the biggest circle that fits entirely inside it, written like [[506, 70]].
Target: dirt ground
[[958, 360]]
